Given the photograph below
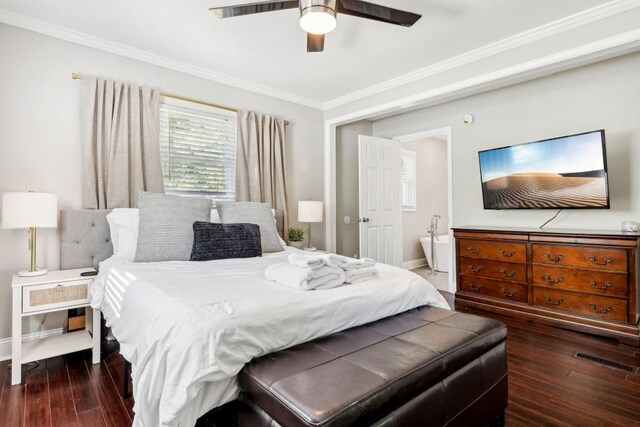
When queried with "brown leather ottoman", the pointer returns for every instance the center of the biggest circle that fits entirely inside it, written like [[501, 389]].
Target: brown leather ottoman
[[427, 366]]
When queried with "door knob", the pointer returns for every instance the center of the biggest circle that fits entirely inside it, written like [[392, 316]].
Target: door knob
[[363, 219]]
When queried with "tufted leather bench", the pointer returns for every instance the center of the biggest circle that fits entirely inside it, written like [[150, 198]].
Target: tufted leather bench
[[424, 367]]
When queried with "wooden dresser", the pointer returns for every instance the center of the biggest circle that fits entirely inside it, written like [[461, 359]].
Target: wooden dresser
[[575, 279]]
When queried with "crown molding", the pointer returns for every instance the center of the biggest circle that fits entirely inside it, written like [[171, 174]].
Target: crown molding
[[526, 37], [84, 39]]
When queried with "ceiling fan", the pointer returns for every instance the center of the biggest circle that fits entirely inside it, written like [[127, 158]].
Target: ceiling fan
[[318, 17]]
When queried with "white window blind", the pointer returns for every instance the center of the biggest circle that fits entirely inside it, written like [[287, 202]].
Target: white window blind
[[198, 149], [408, 180]]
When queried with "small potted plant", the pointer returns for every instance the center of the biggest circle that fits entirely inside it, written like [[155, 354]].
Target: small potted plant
[[295, 236]]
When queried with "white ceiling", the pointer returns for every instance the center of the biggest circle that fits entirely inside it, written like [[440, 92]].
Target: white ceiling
[[270, 49]]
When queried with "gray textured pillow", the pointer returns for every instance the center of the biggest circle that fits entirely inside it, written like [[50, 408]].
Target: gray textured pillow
[[165, 232], [253, 213]]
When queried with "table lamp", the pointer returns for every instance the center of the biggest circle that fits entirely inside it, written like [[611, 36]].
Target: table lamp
[[30, 210], [309, 211]]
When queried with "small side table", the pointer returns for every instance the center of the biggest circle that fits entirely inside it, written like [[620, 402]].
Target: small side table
[[55, 291]]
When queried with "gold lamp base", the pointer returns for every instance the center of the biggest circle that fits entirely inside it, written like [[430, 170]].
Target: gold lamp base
[[34, 270]]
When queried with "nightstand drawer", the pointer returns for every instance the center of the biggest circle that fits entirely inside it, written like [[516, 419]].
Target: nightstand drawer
[[55, 295]]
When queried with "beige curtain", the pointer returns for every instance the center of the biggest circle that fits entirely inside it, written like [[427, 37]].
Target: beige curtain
[[121, 151], [260, 163]]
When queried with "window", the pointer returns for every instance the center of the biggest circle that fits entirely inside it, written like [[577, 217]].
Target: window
[[198, 149], [408, 179]]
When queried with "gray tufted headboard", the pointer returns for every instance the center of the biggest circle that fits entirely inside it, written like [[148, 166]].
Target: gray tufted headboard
[[85, 239]]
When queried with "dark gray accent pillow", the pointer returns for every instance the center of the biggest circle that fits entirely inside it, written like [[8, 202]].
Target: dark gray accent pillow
[[253, 213], [222, 241], [165, 232]]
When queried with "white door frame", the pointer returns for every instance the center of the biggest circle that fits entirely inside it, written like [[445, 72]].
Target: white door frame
[[330, 178], [429, 134]]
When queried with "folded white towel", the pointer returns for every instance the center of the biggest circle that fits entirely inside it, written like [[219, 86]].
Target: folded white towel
[[346, 263], [305, 278], [361, 274], [306, 261]]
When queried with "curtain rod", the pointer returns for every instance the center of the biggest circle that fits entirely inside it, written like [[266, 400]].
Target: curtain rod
[[78, 76]]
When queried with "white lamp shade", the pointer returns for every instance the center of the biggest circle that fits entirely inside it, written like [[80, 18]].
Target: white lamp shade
[[309, 211], [25, 210]]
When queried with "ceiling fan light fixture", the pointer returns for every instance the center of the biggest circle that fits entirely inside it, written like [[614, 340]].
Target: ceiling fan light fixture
[[318, 19]]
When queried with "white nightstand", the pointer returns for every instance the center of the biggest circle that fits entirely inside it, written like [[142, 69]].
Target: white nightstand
[[56, 291]]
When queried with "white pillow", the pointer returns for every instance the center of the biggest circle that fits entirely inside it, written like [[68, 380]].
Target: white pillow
[[282, 242], [113, 231], [215, 216], [124, 232]]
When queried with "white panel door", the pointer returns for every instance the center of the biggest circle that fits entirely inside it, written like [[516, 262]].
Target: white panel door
[[379, 200]]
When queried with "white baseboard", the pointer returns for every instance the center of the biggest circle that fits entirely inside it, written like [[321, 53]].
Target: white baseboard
[[415, 263], [5, 343]]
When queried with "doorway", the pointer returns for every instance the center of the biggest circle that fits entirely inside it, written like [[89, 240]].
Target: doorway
[[427, 206]]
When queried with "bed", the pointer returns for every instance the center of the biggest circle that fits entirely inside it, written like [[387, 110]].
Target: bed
[[189, 328]]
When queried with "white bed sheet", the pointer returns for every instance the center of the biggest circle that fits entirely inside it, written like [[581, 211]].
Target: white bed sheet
[[188, 328]]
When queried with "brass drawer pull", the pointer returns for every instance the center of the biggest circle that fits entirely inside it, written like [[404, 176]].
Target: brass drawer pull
[[552, 258], [595, 284], [550, 301], [547, 277], [475, 288], [507, 254], [509, 274], [509, 294], [473, 251], [605, 261], [475, 270], [594, 308]]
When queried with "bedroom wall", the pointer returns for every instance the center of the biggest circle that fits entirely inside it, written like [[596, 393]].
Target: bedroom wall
[[602, 95], [40, 137], [347, 180], [431, 196]]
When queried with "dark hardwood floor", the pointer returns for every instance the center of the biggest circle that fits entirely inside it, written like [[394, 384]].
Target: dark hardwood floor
[[548, 386]]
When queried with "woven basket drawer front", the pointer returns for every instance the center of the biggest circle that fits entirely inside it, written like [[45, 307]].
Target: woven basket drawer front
[[55, 295]]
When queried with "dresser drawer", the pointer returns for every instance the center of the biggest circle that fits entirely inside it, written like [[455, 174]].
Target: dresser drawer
[[584, 304], [494, 269], [493, 288], [55, 295], [580, 256], [596, 282], [493, 250]]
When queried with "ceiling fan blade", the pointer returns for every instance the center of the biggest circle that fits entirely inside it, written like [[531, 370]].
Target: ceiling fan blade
[[315, 42], [362, 9], [251, 8]]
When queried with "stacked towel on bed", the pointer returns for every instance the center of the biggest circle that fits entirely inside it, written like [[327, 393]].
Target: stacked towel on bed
[[293, 276], [330, 260], [326, 271], [306, 261], [361, 274], [346, 263]]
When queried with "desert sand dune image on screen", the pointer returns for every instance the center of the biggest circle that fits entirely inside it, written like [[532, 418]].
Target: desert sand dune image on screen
[[546, 190]]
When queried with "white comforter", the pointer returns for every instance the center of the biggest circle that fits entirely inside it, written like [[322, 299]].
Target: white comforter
[[188, 328]]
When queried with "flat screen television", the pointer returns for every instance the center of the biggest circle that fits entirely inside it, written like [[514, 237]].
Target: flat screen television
[[569, 172]]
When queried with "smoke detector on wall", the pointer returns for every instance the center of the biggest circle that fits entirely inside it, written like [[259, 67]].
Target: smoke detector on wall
[[467, 119]]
